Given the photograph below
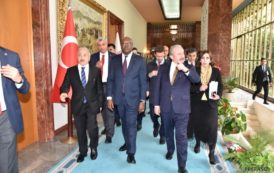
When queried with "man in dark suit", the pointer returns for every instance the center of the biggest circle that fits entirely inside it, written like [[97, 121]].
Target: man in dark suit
[[102, 59], [127, 88], [11, 123], [87, 95], [172, 100], [262, 78], [152, 71]]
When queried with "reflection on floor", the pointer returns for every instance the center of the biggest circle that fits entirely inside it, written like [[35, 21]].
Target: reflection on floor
[[41, 156]]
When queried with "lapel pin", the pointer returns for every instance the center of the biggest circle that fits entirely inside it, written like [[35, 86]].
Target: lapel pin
[[6, 54]]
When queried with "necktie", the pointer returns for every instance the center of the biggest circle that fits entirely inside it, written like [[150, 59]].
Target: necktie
[[84, 82], [125, 66], [103, 61], [174, 76]]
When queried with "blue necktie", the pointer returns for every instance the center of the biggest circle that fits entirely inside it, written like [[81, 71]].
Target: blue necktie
[[84, 82]]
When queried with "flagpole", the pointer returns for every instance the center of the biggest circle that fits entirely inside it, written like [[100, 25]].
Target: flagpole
[[70, 139]]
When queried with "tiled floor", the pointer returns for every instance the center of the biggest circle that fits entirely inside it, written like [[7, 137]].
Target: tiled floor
[[41, 156]]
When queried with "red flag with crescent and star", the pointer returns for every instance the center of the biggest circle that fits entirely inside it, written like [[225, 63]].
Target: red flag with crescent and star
[[68, 57]]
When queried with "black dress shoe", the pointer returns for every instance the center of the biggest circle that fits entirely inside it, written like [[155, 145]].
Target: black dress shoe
[[123, 148], [93, 153], [182, 170], [162, 140], [211, 158], [81, 157], [103, 132], [169, 155], [118, 123], [266, 103], [108, 140], [131, 158], [156, 131], [139, 127], [197, 148]]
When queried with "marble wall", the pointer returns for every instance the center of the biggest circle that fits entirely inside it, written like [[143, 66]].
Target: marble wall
[[204, 26], [219, 33]]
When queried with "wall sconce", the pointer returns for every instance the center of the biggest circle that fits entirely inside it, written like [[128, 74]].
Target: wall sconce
[[173, 31], [173, 27]]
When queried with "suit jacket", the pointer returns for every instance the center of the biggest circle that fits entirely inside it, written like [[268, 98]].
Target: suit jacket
[[96, 57], [9, 89], [215, 76], [152, 81], [134, 81], [259, 74], [176, 96], [93, 90]]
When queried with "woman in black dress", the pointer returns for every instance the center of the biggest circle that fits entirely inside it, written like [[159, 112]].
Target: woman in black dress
[[205, 110]]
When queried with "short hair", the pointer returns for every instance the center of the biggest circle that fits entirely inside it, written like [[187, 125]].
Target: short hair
[[135, 49], [158, 49], [111, 45], [262, 59], [101, 39], [191, 50], [174, 47]]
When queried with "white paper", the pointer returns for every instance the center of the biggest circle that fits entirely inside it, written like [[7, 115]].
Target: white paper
[[213, 88]]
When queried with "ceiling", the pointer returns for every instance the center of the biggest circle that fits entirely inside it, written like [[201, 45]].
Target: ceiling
[[191, 10]]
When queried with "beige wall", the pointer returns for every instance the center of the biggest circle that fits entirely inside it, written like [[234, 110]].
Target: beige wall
[[134, 24]]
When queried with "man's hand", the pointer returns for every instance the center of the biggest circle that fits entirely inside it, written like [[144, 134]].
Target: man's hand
[[63, 97], [203, 87], [153, 73], [12, 73], [141, 107], [99, 64], [110, 105], [270, 84], [182, 67], [157, 110]]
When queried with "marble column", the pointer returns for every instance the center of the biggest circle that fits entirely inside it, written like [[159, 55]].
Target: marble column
[[42, 64], [219, 33], [197, 35]]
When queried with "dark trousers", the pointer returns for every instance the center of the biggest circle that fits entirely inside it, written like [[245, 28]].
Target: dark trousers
[[86, 122], [116, 114], [154, 119], [259, 88], [108, 116], [128, 116], [8, 155], [179, 123]]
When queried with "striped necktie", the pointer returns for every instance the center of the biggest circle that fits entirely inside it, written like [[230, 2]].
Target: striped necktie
[[84, 82]]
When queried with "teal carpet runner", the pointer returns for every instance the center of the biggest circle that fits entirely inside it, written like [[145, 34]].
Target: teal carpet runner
[[150, 157]]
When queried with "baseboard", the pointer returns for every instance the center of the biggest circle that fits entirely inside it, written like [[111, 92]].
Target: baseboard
[[61, 129]]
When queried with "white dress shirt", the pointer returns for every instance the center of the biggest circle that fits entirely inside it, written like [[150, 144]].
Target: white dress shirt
[[86, 71], [128, 58], [105, 66]]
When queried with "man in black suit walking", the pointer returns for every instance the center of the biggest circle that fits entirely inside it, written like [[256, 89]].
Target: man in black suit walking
[[102, 60], [86, 83], [152, 72], [262, 78]]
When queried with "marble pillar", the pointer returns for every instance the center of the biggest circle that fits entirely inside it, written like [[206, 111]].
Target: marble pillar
[[219, 33]]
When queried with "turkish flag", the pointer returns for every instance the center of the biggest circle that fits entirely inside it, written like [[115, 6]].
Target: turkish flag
[[68, 57]]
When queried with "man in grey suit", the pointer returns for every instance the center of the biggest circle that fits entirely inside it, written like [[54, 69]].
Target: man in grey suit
[[11, 122]]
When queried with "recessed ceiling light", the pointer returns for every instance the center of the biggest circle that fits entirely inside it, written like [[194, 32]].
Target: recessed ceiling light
[[171, 8]]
